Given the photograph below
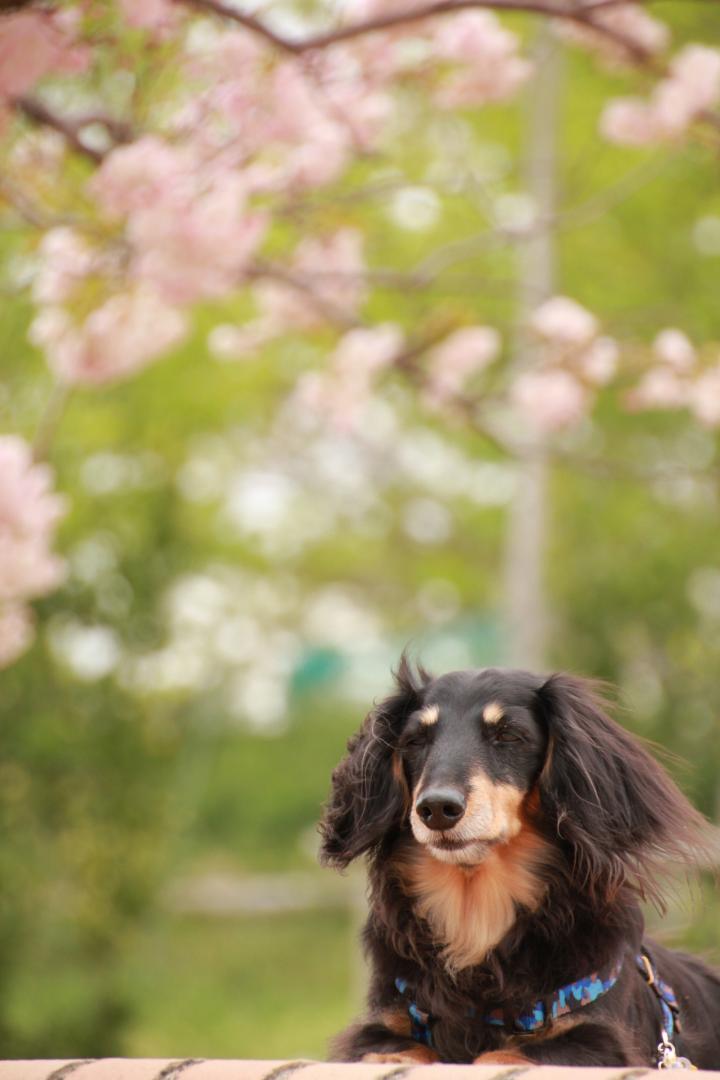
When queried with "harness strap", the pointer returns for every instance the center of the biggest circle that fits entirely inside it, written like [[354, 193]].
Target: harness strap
[[667, 1055], [664, 993], [566, 1000], [420, 1022], [562, 1002], [536, 1016]]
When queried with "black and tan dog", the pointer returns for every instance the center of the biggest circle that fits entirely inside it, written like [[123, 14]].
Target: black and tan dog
[[512, 829]]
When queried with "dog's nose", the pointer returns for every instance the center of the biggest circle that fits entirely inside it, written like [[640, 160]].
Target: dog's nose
[[441, 808]]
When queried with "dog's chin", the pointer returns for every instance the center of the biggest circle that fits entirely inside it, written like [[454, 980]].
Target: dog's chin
[[469, 853]]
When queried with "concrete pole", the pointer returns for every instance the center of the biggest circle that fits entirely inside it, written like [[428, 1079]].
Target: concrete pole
[[525, 601]]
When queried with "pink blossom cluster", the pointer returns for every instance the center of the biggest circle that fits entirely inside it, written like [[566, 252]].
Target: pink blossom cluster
[[35, 43], [65, 261], [120, 335], [472, 57], [184, 211], [485, 54], [629, 21], [188, 224], [298, 122], [29, 513], [323, 283], [328, 273], [158, 16], [677, 381], [341, 394], [460, 356], [117, 339], [573, 360], [188, 235], [288, 124], [691, 89]]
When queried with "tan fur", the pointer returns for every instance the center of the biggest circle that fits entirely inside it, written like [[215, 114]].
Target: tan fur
[[492, 813], [470, 909], [504, 801], [397, 1021], [493, 712], [502, 1057], [421, 1055], [560, 1026], [429, 715]]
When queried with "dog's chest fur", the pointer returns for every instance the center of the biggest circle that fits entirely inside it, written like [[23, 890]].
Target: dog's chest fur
[[470, 910]]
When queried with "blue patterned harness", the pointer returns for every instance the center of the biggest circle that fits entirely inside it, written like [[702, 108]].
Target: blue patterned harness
[[562, 1002]]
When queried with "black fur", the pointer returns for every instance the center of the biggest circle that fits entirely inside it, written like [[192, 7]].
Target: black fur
[[613, 820]]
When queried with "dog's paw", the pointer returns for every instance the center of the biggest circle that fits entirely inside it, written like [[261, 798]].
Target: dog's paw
[[421, 1055], [501, 1057]]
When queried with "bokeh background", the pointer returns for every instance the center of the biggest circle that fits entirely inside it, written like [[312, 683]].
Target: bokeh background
[[240, 586]]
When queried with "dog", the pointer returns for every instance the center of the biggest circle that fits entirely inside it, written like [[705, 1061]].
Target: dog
[[512, 830]]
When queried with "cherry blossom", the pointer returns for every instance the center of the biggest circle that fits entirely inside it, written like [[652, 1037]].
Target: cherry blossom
[[675, 382], [228, 342], [660, 388], [360, 10], [16, 632], [118, 338], [673, 347], [34, 43], [340, 396], [29, 513], [570, 339], [191, 230], [704, 397], [189, 249], [461, 355], [221, 181], [696, 68], [329, 273], [324, 118], [563, 322], [142, 175], [598, 363], [691, 88], [490, 68], [549, 401], [629, 21], [363, 352], [631, 121], [289, 124], [65, 260], [157, 15]]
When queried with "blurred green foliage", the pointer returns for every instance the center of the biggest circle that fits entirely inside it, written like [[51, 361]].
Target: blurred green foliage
[[110, 793]]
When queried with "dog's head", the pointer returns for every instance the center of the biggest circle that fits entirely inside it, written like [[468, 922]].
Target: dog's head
[[464, 762]]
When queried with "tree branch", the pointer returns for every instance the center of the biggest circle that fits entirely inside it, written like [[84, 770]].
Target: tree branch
[[39, 113], [50, 421], [555, 9], [250, 22], [326, 309]]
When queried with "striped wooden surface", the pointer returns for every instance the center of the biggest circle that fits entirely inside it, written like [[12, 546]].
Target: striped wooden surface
[[199, 1069]]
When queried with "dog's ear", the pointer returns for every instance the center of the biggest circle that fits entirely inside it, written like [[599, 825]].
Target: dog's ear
[[612, 805], [369, 793]]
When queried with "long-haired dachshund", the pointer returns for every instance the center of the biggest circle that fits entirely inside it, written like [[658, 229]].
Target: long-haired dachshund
[[512, 829]]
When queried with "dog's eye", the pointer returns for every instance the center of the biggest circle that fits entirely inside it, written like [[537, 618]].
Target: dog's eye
[[414, 739], [505, 735]]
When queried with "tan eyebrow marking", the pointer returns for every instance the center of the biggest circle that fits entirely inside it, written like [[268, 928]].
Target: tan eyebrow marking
[[429, 715], [493, 712]]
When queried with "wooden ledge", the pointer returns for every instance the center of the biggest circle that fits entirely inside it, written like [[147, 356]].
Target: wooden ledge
[[200, 1069]]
